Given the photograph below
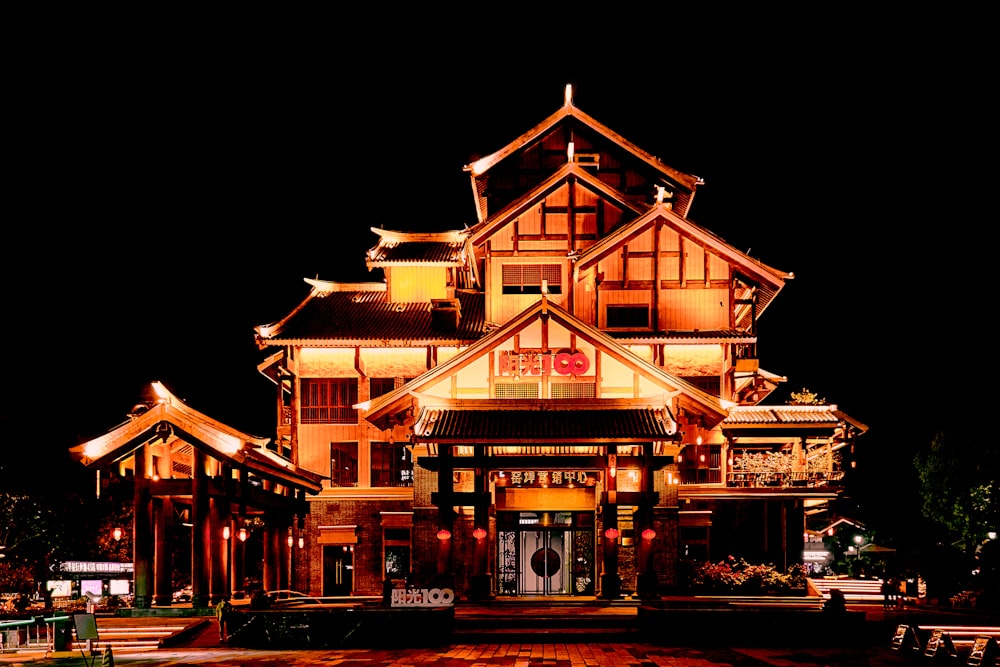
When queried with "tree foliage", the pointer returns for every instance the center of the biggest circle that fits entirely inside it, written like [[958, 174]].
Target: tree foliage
[[959, 480]]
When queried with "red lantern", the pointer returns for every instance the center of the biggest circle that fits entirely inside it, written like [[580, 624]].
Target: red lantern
[[611, 533], [444, 534], [648, 534], [479, 533]]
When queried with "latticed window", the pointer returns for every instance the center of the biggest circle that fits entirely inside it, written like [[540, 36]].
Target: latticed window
[[572, 390], [516, 389], [329, 401], [392, 464], [527, 278], [344, 464]]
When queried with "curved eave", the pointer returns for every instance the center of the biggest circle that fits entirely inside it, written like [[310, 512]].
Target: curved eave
[[365, 342], [380, 409]]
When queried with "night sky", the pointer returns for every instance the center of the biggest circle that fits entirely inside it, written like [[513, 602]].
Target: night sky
[[175, 180]]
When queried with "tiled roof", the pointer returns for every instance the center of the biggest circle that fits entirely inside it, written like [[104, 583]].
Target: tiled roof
[[424, 252], [783, 415], [719, 335], [439, 424], [365, 315]]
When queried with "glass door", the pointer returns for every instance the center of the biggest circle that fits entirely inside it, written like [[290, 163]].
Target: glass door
[[338, 570]]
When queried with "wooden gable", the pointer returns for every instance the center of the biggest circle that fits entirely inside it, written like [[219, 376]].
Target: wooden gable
[[544, 354], [570, 136]]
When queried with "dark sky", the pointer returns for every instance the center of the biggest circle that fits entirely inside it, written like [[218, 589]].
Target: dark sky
[[176, 178]]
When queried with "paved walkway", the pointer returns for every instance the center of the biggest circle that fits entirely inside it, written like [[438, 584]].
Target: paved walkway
[[514, 655]]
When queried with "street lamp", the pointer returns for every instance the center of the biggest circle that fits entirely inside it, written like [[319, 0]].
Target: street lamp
[[859, 540]]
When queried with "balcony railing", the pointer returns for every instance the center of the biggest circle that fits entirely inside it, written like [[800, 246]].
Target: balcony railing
[[783, 479]]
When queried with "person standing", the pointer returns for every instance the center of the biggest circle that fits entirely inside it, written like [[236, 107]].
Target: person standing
[[221, 611]]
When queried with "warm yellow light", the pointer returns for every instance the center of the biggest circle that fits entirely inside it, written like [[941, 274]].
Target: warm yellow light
[[302, 542], [443, 534], [162, 395], [117, 533], [242, 534], [225, 532], [698, 440], [479, 533], [291, 540]]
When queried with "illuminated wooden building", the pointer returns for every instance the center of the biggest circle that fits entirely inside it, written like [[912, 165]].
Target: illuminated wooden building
[[562, 399]]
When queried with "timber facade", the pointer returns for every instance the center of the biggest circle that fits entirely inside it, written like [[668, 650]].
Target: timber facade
[[563, 399]]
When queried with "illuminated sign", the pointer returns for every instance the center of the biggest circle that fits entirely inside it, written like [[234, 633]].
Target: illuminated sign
[[91, 567], [422, 597], [545, 477], [538, 362]]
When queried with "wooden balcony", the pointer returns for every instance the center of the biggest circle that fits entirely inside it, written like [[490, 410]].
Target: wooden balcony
[[783, 479]]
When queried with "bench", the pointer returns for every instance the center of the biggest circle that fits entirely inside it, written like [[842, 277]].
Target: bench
[[977, 644]]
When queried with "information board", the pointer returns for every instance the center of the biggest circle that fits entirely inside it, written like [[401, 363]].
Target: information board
[[86, 627]]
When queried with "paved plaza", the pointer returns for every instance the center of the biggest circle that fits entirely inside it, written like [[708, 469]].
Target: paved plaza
[[481, 655]]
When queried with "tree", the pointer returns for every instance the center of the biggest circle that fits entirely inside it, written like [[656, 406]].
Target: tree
[[959, 481]]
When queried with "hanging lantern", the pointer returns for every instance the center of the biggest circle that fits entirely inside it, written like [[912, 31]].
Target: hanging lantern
[[225, 532], [611, 533], [117, 533], [242, 534], [479, 533], [291, 540], [444, 534], [302, 542], [648, 534]]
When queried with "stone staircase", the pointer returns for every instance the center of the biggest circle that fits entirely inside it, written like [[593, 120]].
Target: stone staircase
[[142, 634], [856, 591], [550, 620]]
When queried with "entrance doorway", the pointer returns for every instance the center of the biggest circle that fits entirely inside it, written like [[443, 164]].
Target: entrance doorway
[[545, 553], [338, 570]]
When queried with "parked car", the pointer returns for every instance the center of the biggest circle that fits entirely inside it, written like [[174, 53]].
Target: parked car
[[183, 595]]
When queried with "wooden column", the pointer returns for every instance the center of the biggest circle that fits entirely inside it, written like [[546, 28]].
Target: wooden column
[[236, 545], [219, 547], [271, 557], [610, 581], [284, 555], [142, 530], [163, 509], [646, 583], [482, 584], [200, 541], [446, 515]]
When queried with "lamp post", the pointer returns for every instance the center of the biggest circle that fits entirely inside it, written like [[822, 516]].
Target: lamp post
[[859, 540]]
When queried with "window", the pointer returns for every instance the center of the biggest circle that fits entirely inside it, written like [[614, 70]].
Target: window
[[572, 390], [527, 278], [329, 401], [392, 464], [516, 390], [628, 317], [397, 552], [380, 386], [344, 464], [700, 464]]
